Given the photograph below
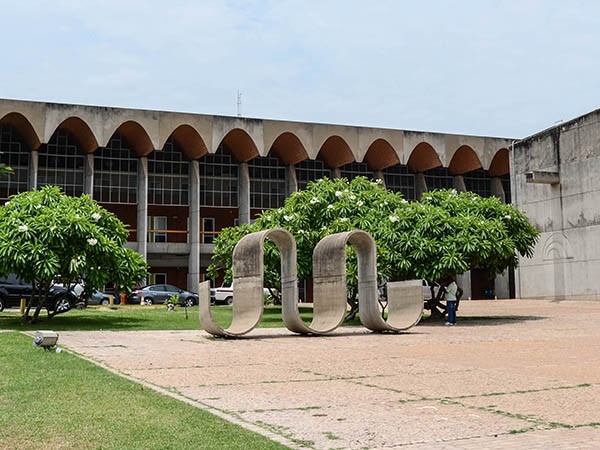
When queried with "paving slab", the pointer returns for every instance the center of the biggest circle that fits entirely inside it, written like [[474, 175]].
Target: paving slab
[[511, 374]]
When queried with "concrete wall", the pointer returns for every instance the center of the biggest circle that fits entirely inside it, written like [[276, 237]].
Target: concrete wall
[[566, 263]]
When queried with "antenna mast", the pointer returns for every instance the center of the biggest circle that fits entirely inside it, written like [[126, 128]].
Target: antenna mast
[[239, 103]]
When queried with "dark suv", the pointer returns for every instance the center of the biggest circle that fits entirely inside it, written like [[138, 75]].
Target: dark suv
[[13, 289]]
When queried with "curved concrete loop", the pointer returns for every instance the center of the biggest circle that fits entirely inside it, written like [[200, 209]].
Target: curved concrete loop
[[248, 272], [405, 299]]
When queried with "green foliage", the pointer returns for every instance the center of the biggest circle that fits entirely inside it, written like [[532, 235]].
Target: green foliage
[[48, 237], [444, 233]]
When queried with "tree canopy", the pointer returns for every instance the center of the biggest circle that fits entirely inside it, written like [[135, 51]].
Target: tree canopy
[[47, 237], [444, 233]]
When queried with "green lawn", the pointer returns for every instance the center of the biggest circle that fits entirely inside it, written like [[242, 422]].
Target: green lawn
[[136, 317], [57, 400]]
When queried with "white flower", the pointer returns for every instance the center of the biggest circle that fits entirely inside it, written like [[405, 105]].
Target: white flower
[[314, 200], [353, 197], [96, 217], [329, 206], [453, 191], [288, 218], [23, 228], [507, 216], [404, 201], [53, 227], [346, 191], [379, 181], [344, 219], [360, 203], [338, 193], [92, 241], [393, 218], [38, 206], [7, 203]]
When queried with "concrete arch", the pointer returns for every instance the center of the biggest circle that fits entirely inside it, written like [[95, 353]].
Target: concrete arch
[[405, 299], [82, 133], [248, 273], [189, 140], [288, 148], [240, 145], [381, 155], [136, 137], [335, 152], [500, 164], [464, 160], [24, 127], [422, 158]]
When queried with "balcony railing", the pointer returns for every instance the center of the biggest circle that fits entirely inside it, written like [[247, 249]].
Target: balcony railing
[[160, 236]]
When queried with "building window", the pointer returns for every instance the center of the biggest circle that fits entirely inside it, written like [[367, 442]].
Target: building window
[[218, 180], [115, 173], [478, 181], [14, 153], [439, 178], [61, 164], [156, 225], [158, 278], [353, 170], [310, 170], [398, 179], [208, 228], [168, 176], [267, 183]]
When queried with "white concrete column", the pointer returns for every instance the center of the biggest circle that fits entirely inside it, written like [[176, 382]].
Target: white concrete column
[[336, 172], [464, 281], [142, 207], [291, 181], [193, 277], [497, 189], [88, 187], [244, 193], [378, 175], [420, 185], [458, 183], [33, 170], [501, 282]]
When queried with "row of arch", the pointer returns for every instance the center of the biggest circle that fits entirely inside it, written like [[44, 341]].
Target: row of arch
[[290, 147]]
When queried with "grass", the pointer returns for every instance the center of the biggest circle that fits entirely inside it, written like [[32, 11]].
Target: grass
[[58, 400], [136, 317]]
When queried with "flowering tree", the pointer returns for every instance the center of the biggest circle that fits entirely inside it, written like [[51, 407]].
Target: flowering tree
[[47, 237], [444, 233]]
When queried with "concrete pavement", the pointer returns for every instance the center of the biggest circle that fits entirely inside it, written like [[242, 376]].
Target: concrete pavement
[[512, 374]]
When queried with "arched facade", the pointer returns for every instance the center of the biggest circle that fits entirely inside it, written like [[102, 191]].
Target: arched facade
[[194, 174]]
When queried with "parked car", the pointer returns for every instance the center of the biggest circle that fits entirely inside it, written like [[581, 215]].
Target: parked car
[[159, 293], [13, 289], [101, 298], [224, 294], [427, 291]]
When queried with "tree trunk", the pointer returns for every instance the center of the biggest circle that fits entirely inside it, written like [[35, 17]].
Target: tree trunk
[[41, 301]]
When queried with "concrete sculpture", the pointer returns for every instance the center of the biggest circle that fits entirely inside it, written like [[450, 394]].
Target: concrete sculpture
[[405, 298]]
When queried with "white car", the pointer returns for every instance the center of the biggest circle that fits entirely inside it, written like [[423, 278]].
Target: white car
[[427, 290], [224, 294]]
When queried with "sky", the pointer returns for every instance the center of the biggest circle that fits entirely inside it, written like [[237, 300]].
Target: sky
[[483, 67]]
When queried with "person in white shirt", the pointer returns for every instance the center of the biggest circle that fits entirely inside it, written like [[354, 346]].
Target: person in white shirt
[[451, 300]]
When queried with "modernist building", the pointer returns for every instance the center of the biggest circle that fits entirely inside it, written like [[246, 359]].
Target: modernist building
[[557, 186], [177, 179]]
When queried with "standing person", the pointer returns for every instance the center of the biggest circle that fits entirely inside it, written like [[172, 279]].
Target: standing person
[[451, 300]]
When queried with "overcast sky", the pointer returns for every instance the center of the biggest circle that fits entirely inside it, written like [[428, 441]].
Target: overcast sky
[[498, 68]]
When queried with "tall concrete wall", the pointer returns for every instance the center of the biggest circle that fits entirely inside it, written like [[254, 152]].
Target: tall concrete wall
[[566, 262]]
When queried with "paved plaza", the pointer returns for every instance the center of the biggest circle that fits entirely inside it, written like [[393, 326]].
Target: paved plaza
[[513, 374]]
